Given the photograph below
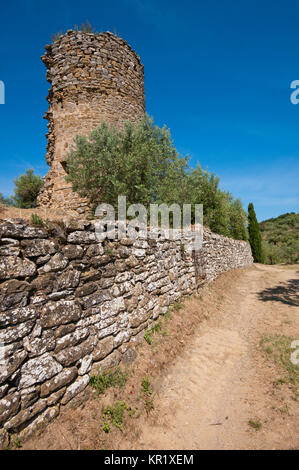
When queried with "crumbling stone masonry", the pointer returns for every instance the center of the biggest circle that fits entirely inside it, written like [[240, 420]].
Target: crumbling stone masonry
[[70, 305], [94, 77]]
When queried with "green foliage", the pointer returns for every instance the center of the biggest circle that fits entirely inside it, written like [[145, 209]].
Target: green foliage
[[17, 442], [238, 220], [109, 251], [177, 305], [147, 392], [278, 348], [142, 163], [7, 201], [167, 316], [148, 404], [221, 212], [280, 239], [113, 415], [26, 189], [148, 337], [106, 427], [111, 378], [255, 237], [36, 220], [255, 424], [146, 387], [132, 162], [149, 333]]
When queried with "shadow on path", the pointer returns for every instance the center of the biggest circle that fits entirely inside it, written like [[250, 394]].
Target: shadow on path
[[287, 293]]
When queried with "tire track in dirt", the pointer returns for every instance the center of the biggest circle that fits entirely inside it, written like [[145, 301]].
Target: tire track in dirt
[[193, 389]]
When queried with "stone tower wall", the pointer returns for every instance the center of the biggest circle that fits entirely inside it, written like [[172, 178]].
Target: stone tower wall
[[94, 78]]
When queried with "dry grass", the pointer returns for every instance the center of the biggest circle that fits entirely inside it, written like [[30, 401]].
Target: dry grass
[[43, 212]]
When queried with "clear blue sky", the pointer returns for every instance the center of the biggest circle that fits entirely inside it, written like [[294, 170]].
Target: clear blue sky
[[217, 73]]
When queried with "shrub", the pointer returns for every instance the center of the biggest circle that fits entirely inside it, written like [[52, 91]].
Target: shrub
[[26, 190], [7, 201], [142, 163], [132, 162]]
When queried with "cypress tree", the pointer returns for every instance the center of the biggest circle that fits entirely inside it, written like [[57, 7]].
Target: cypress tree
[[255, 238]]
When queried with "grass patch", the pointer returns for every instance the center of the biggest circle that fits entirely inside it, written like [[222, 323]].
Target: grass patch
[[280, 382], [36, 220], [167, 316], [146, 386], [147, 392], [284, 409], [177, 305], [106, 427], [149, 333], [148, 404], [278, 348], [148, 336], [255, 424], [113, 415], [109, 252], [111, 378], [17, 442]]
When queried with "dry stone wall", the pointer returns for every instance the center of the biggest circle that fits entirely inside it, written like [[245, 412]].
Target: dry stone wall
[[70, 305], [94, 78]]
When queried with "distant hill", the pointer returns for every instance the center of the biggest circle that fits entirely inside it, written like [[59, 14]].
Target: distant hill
[[281, 239]]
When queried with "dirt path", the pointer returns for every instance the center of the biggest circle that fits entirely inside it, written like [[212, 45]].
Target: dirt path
[[222, 381], [223, 362]]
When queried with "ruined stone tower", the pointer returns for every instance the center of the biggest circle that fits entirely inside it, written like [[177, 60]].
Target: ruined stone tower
[[94, 77]]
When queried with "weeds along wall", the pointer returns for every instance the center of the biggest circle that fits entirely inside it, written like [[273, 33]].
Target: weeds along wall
[[94, 78], [71, 306]]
